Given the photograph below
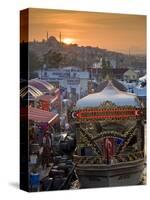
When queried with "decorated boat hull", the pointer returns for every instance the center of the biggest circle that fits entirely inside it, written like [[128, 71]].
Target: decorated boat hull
[[110, 138], [121, 174]]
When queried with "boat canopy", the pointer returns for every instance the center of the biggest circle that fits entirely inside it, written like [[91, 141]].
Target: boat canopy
[[109, 93]]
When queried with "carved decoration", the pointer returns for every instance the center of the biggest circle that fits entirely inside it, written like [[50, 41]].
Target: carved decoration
[[87, 139], [107, 104]]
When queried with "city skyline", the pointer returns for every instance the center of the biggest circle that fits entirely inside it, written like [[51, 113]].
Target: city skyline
[[117, 32]]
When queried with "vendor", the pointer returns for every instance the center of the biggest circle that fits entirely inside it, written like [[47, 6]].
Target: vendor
[[47, 149]]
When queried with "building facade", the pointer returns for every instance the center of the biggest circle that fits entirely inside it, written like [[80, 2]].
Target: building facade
[[71, 79]]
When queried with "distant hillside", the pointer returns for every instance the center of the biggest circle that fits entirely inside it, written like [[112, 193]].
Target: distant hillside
[[82, 56]]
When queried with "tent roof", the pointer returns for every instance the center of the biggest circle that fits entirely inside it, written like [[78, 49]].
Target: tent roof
[[42, 85], [31, 90]]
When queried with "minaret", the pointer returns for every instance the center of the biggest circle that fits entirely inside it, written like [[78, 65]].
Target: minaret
[[47, 36], [60, 37]]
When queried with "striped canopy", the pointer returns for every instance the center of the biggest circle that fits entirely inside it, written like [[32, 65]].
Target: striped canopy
[[38, 115]]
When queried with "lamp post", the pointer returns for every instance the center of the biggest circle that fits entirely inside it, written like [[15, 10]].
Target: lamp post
[[42, 69], [65, 101]]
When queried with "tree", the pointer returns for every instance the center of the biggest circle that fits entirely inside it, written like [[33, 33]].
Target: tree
[[53, 58], [34, 62], [104, 64], [106, 69]]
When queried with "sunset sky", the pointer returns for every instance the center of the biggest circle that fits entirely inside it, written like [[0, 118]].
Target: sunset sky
[[110, 31]]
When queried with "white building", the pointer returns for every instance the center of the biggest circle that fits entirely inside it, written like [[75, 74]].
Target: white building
[[139, 88], [71, 78], [130, 75], [100, 66]]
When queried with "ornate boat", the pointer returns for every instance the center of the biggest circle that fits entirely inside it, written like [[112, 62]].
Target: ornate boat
[[110, 138]]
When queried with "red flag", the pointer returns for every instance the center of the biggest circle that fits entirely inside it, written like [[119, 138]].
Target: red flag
[[109, 148]]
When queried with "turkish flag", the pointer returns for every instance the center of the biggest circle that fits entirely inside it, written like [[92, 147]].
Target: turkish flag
[[109, 148]]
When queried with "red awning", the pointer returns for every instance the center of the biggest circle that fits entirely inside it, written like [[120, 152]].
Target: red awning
[[39, 115]]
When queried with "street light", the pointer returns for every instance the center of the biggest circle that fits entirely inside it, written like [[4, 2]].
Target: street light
[[42, 69], [65, 101]]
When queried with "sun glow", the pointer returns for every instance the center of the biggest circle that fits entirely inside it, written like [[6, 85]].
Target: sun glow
[[68, 40]]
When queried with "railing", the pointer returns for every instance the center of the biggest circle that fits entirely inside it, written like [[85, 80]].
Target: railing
[[114, 160]]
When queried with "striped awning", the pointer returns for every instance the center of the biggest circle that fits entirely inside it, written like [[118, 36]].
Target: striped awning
[[39, 115]]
